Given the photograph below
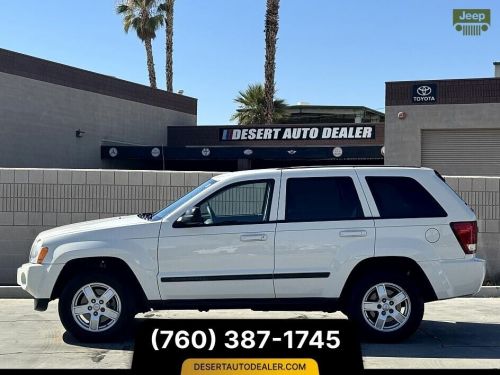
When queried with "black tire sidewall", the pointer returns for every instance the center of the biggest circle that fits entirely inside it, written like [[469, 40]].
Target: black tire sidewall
[[355, 311], [118, 330]]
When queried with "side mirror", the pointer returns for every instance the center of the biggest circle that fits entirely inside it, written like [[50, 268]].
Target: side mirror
[[191, 218]]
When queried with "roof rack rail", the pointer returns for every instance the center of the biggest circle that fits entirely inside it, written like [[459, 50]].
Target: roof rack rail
[[350, 166]]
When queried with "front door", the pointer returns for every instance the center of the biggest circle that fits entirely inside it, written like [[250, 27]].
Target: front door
[[228, 249]]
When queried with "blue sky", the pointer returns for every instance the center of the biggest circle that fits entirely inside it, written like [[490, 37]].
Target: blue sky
[[330, 52]]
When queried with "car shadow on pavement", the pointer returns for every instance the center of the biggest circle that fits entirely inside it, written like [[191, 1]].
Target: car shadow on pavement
[[438, 339], [127, 343]]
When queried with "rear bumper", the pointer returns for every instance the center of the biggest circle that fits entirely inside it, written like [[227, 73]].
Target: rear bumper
[[455, 278], [38, 279]]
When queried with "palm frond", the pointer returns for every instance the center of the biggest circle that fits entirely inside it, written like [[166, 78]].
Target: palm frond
[[141, 15], [252, 106], [122, 8]]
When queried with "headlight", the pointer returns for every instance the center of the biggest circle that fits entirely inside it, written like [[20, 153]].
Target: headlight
[[38, 252]]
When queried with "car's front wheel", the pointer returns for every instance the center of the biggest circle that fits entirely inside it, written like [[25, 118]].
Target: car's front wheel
[[96, 307], [386, 306]]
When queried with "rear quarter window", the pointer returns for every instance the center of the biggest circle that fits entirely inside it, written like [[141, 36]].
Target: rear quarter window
[[403, 197]]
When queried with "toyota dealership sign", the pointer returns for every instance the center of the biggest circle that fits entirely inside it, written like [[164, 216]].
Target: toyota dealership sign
[[424, 93]]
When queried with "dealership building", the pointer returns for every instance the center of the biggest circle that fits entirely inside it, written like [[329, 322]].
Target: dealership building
[[449, 125], [56, 116], [227, 148]]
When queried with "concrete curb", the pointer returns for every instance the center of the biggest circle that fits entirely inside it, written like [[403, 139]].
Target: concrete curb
[[11, 292]]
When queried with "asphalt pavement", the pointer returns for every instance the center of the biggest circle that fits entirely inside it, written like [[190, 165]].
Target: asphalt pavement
[[458, 333]]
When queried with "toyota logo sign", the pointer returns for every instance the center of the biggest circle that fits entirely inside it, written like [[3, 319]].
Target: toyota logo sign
[[424, 93], [424, 90]]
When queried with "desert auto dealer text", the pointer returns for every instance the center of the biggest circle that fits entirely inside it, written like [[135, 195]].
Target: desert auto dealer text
[[311, 133]]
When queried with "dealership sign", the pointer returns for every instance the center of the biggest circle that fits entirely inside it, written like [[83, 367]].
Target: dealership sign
[[269, 133], [424, 93]]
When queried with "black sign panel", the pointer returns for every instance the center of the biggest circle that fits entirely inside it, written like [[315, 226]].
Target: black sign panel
[[270, 133], [424, 93], [242, 346]]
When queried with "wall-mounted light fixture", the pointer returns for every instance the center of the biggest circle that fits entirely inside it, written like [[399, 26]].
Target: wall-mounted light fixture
[[79, 133]]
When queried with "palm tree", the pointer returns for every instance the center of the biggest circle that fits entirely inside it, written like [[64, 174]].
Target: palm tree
[[271, 30], [168, 9], [145, 18], [252, 107]]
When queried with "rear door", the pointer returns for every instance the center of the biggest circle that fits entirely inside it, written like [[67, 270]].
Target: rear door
[[324, 229]]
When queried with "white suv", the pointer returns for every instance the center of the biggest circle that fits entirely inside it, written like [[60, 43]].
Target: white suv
[[373, 242]]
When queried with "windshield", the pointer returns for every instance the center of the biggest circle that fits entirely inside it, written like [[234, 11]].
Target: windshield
[[179, 202]]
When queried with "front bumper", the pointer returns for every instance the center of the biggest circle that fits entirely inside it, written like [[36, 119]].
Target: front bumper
[[455, 278], [38, 279]]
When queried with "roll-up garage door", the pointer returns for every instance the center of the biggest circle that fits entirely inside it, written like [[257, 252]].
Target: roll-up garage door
[[462, 152]]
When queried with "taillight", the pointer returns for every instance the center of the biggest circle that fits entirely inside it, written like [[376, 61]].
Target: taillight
[[466, 233]]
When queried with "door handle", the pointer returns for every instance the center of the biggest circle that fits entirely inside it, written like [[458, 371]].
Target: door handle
[[353, 233], [253, 237]]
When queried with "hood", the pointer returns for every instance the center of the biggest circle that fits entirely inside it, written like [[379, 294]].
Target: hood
[[93, 225]]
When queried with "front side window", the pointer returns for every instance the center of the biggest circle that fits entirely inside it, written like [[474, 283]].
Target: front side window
[[179, 202], [242, 203], [322, 199], [403, 197]]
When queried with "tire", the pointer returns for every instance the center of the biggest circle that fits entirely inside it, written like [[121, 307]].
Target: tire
[[386, 318], [108, 318]]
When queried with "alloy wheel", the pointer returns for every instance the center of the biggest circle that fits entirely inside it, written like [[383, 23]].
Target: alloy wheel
[[96, 307], [386, 307]]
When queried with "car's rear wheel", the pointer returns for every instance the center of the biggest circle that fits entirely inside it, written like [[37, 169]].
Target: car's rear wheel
[[96, 307], [386, 306]]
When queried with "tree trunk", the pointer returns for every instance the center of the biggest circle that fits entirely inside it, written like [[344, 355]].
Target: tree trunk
[[151, 63], [271, 30], [169, 48]]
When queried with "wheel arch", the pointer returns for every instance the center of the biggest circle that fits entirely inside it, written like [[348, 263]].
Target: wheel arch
[[108, 265], [405, 265]]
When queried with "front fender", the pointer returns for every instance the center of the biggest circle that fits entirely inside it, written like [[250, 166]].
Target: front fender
[[139, 254]]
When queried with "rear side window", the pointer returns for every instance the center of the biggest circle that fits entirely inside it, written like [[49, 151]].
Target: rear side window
[[403, 197], [322, 199]]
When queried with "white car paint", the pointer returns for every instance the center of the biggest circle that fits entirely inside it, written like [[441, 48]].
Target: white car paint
[[327, 246], [128, 238], [155, 249], [219, 250]]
